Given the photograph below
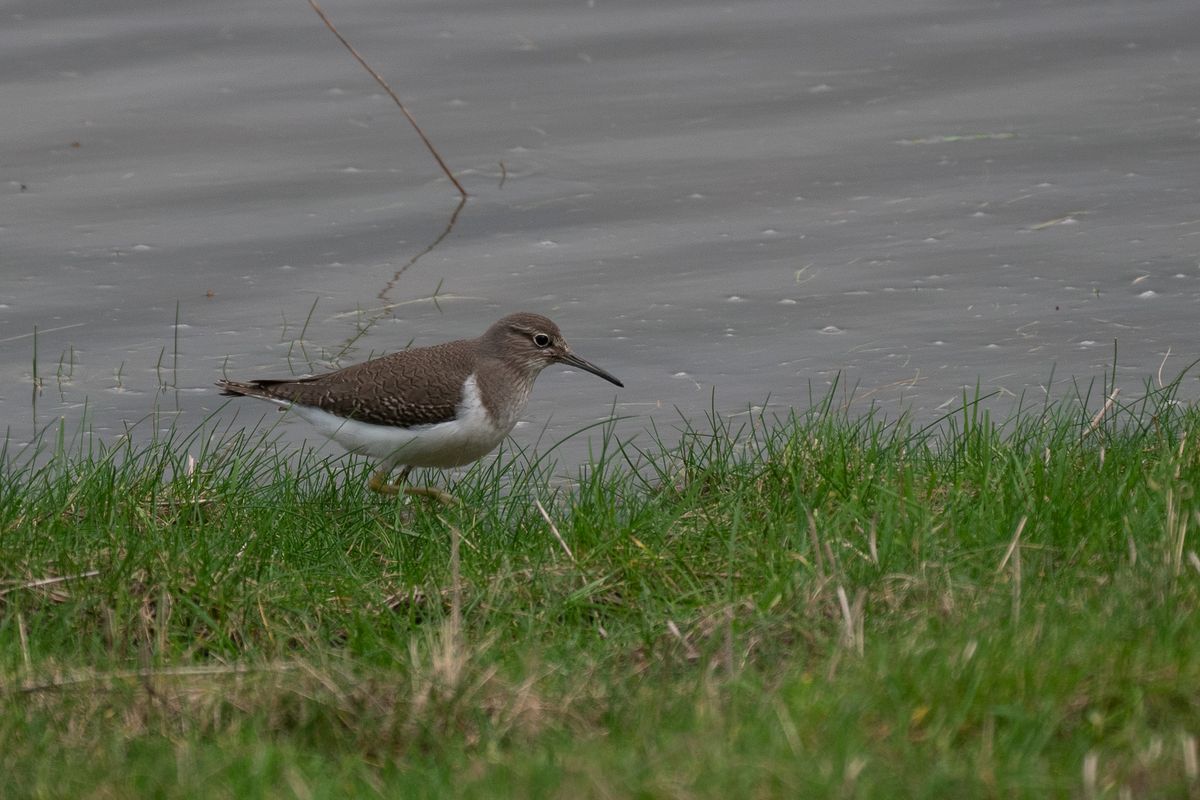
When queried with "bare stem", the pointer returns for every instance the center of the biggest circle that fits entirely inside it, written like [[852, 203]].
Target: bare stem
[[379, 79]]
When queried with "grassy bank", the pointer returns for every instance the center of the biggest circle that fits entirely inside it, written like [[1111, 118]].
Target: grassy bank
[[822, 606]]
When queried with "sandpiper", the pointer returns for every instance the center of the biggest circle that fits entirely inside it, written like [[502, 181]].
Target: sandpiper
[[440, 406]]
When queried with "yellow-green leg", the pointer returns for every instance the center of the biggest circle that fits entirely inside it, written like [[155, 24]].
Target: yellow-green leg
[[379, 483]]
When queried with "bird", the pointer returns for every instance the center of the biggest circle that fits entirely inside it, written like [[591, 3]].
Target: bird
[[440, 406]]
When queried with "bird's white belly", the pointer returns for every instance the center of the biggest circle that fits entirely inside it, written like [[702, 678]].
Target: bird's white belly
[[471, 435]]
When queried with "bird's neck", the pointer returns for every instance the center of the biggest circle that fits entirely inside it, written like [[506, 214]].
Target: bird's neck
[[504, 390]]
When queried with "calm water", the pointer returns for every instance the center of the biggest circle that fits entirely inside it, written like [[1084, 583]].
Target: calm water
[[744, 199]]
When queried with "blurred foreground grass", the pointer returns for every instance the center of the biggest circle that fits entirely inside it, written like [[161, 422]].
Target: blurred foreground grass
[[817, 606]]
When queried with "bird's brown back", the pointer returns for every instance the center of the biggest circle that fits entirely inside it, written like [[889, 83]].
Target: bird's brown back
[[421, 386]]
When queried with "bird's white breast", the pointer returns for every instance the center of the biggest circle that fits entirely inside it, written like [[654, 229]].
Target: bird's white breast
[[471, 435]]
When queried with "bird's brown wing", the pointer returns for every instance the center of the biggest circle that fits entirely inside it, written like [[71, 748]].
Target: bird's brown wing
[[421, 386]]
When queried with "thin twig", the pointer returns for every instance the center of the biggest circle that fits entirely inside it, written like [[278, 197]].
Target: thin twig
[[383, 293], [379, 79], [382, 311]]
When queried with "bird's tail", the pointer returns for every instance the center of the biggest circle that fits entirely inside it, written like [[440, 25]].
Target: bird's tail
[[239, 389]]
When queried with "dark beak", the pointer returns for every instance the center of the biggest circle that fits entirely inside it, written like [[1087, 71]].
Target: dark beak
[[576, 361]]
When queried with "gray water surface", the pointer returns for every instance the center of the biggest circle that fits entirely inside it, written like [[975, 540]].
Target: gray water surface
[[741, 200]]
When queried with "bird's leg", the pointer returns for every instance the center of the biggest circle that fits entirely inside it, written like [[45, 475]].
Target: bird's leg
[[378, 483], [445, 498]]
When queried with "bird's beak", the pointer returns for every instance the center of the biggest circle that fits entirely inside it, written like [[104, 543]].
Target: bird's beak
[[576, 361]]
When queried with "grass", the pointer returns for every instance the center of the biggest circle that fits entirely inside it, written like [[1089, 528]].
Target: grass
[[818, 606]]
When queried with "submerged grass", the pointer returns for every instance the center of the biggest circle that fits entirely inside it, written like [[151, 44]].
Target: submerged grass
[[822, 605]]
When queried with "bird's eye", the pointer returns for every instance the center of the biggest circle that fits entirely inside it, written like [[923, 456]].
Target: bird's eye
[[541, 340]]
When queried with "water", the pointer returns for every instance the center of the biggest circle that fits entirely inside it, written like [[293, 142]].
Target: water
[[740, 200]]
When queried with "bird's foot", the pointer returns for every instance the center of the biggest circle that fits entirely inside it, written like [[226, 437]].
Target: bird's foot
[[379, 483]]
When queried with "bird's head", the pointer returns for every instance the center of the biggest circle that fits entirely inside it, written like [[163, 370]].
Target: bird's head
[[530, 343]]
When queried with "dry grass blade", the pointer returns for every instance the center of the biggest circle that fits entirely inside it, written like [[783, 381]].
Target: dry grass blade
[[1091, 770], [455, 583], [1012, 545], [852, 616], [1108, 404], [722, 624], [142, 675], [815, 540], [1177, 526], [1160, 368], [691, 653], [1191, 760], [554, 529], [41, 582], [872, 541], [23, 634]]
